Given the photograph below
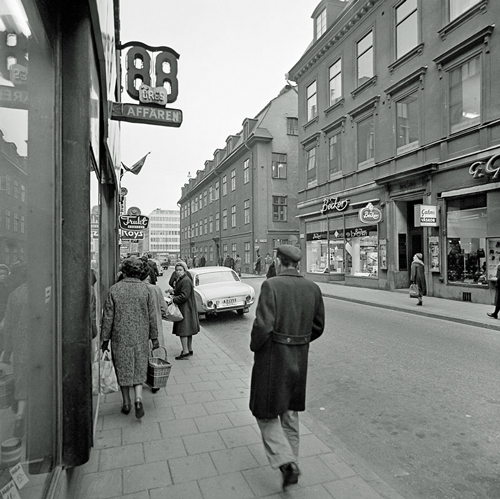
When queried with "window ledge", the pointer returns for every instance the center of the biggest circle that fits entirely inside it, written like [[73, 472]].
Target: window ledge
[[363, 86], [463, 18], [366, 164], [335, 105], [408, 148], [406, 57], [310, 122]]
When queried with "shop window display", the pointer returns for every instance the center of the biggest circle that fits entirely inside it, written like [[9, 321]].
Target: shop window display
[[467, 257], [361, 244], [28, 336]]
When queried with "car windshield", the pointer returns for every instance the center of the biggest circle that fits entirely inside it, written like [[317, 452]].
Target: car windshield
[[215, 277]]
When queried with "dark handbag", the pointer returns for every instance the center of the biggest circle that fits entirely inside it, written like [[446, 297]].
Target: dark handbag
[[414, 291]]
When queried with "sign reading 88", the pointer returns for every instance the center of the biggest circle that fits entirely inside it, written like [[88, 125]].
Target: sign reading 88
[[165, 58]]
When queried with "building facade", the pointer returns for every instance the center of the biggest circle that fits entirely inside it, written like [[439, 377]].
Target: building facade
[[59, 201], [399, 129], [163, 235], [244, 202]]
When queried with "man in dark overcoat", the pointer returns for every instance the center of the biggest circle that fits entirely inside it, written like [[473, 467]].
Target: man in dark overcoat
[[290, 314]]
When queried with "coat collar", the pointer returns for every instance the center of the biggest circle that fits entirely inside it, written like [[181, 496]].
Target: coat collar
[[291, 272]]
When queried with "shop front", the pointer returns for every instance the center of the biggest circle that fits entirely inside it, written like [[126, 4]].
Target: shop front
[[342, 242]]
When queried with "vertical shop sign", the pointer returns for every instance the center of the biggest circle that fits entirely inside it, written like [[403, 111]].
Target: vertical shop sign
[[382, 252], [426, 215], [434, 252]]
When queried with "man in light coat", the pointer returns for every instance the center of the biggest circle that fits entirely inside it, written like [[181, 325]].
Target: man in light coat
[[290, 314]]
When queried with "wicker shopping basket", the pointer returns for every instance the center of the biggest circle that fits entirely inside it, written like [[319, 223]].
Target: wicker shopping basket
[[158, 370]]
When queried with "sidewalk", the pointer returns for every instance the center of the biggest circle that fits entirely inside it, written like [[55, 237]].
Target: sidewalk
[[198, 440]]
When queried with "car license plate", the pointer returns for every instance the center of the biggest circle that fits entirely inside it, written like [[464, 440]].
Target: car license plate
[[226, 302]]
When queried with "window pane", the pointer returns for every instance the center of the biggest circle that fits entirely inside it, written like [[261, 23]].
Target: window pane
[[407, 120], [365, 43], [365, 66], [458, 7], [405, 9], [365, 140], [465, 95], [407, 35], [311, 167], [334, 154], [335, 82]]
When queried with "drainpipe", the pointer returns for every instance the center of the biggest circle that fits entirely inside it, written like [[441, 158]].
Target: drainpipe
[[253, 208]]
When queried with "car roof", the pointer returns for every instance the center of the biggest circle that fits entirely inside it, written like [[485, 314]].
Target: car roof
[[208, 270]]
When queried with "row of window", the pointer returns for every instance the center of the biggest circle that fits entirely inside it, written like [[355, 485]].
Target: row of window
[[407, 31], [280, 214], [14, 222], [13, 187], [464, 96], [278, 171], [155, 218], [12, 254]]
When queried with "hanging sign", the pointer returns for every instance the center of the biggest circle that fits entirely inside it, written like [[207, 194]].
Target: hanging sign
[[333, 204], [133, 222], [426, 215], [151, 79], [131, 235], [370, 215]]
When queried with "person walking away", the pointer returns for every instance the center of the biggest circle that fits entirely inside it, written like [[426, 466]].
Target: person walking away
[[237, 265], [290, 314], [203, 261], [183, 296], [151, 269], [129, 320], [229, 261], [417, 276], [494, 314]]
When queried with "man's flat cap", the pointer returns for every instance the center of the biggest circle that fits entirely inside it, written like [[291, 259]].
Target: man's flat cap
[[291, 252]]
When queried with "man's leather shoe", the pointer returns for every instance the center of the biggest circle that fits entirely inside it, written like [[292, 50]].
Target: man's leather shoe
[[290, 474], [492, 315]]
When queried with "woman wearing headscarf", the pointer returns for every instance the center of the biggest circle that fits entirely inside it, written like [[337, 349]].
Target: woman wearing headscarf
[[417, 276], [183, 297], [129, 320]]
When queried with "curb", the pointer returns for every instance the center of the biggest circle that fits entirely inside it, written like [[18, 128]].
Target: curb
[[432, 315]]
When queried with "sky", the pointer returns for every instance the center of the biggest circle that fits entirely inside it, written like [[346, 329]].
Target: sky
[[233, 58]]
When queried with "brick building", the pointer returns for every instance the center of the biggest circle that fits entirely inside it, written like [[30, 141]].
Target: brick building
[[244, 202]]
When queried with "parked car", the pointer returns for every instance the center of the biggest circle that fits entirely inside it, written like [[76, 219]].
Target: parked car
[[164, 264], [219, 289]]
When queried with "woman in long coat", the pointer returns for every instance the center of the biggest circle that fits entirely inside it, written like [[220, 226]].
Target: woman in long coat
[[184, 297], [417, 276], [129, 320]]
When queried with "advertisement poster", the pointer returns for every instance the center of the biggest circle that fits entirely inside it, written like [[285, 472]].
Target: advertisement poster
[[434, 253], [383, 254], [493, 258]]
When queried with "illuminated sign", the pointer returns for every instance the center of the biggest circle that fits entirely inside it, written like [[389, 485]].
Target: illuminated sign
[[131, 235], [370, 215], [330, 204]]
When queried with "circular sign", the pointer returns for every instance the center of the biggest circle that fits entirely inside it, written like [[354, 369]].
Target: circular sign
[[133, 210], [123, 191]]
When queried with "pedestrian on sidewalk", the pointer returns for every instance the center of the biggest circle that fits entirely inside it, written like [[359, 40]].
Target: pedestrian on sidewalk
[[129, 320], [237, 265], [183, 296], [497, 296], [290, 314], [417, 276]]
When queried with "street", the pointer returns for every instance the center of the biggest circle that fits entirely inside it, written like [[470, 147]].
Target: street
[[416, 398]]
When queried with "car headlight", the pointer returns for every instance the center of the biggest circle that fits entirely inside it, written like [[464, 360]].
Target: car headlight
[[248, 298], [210, 303]]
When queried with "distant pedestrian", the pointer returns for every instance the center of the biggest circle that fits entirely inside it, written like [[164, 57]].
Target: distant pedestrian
[[189, 263], [203, 261], [271, 271], [183, 296], [151, 267], [417, 276], [497, 296], [290, 314], [229, 262], [268, 260], [237, 265], [129, 320]]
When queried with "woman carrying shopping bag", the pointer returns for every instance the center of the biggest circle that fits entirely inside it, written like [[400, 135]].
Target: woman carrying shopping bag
[[130, 321], [183, 296], [417, 276]]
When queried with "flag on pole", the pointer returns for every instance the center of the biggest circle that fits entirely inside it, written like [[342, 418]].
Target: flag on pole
[[137, 167]]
